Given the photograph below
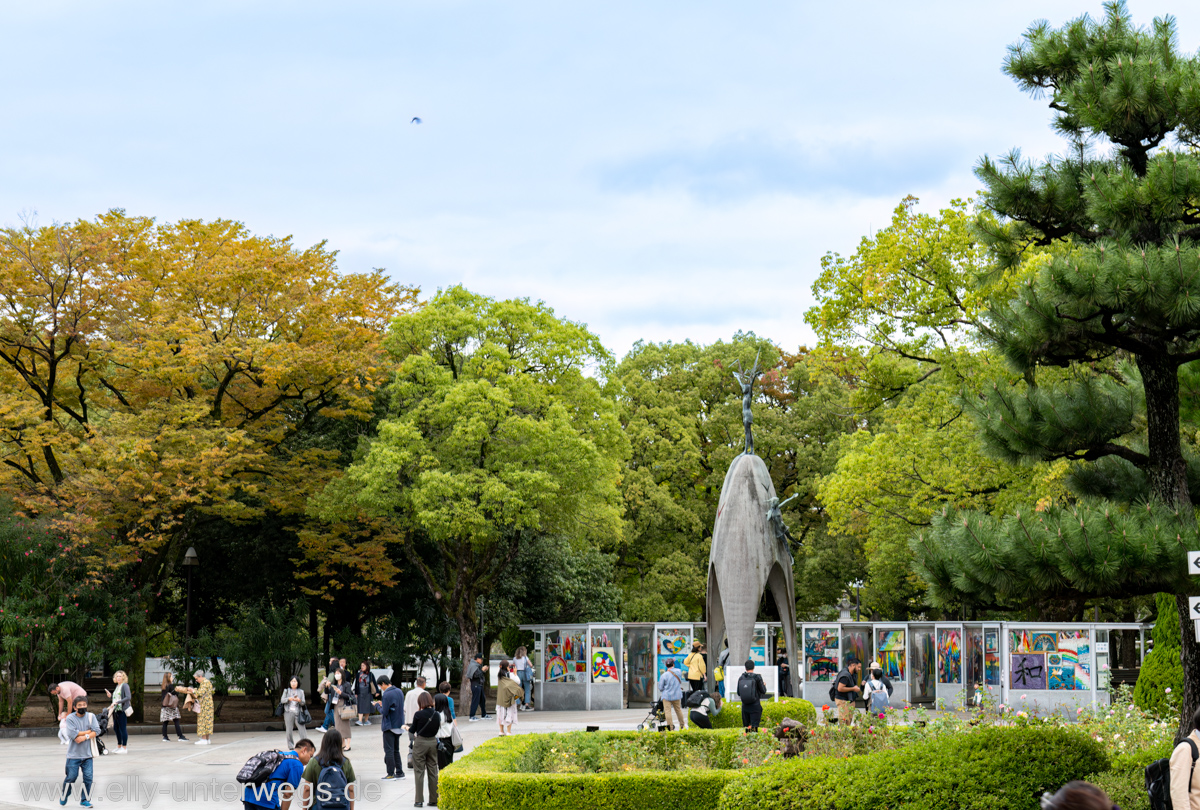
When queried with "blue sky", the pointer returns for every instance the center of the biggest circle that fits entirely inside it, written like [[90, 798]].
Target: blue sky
[[660, 171]]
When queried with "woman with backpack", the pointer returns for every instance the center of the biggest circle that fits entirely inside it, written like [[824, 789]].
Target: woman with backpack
[[425, 725], [328, 778], [1185, 786], [877, 690], [704, 707]]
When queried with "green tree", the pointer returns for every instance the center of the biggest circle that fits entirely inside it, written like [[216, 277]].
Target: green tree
[[494, 435], [1160, 680], [1113, 307]]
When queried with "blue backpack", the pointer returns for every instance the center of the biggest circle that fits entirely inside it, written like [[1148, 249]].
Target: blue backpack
[[331, 789], [880, 701]]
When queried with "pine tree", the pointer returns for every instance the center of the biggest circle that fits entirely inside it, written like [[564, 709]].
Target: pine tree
[[1100, 331], [1161, 671]]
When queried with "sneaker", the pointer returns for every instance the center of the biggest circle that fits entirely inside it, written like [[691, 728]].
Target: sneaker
[[166, 739], [400, 775], [486, 717], [63, 801], [474, 719], [319, 729], [183, 739], [85, 803], [390, 776]]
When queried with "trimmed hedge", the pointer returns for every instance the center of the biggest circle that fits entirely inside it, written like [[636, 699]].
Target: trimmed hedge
[[990, 769], [490, 777], [1125, 781], [798, 709]]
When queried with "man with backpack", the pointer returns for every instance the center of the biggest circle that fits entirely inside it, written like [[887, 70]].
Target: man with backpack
[[750, 691], [271, 792], [878, 690], [477, 675], [846, 689]]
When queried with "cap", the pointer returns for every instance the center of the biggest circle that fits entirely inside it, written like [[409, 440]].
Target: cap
[[874, 665]]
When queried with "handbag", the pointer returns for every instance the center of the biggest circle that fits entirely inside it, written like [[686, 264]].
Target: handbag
[[170, 701], [347, 712], [189, 703], [129, 711], [456, 739], [305, 717]]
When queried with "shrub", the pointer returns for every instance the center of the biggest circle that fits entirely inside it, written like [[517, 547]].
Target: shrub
[[503, 773], [990, 768], [798, 709], [1163, 667], [1125, 781]]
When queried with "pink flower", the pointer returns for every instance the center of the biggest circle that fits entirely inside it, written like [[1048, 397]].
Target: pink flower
[[1168, 688]]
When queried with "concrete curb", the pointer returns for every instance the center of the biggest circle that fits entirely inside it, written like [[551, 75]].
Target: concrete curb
[[188, 729]]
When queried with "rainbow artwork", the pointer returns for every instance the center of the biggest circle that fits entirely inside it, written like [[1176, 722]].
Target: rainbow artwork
[[673, 642], [949, 656], [1044, 642], [604, 665], [1075, 648], [556, 669]]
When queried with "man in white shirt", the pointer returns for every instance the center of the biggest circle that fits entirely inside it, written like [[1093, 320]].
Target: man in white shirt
[[410, 710]]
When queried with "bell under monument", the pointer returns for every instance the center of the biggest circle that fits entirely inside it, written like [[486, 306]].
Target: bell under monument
[[750, 553]]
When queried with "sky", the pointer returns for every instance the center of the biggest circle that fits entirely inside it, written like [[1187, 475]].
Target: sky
[[659, 171]]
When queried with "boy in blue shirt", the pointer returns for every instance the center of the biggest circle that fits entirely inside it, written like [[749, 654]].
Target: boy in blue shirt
[[272, 794]]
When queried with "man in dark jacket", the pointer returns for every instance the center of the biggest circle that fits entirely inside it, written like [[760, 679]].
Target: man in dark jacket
[[391, 706], [477, 675], [750, 691]]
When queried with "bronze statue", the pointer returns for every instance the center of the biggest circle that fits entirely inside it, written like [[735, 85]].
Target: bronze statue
[[775, 521], [747, 382]]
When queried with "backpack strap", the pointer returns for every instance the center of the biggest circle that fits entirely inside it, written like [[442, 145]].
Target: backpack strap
[[1195, 756]]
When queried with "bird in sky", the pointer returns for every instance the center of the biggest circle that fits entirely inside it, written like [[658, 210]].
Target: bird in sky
[[416, 120]]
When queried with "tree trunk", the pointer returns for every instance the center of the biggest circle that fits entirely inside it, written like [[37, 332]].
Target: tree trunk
[[135, 670], [468, 633], [1167, 474], [313, 631]]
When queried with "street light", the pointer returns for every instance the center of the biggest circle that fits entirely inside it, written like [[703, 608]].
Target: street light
[[857, 585], [190, 561]]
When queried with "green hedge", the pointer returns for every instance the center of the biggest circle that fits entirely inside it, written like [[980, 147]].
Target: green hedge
[[490, 777], [1125, 780], [795, 708], [989, 769]]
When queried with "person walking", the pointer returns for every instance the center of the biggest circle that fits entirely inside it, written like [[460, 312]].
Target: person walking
[[670, 691], [697, 667], [365, 692], [280, 788], [343, 699], [326, 694], [328, 778], [82, 728], [508, 698], [445, 735], [702, 715], [391, 709], [202, 697], [170, 708], [846, 689], [477, 675], [293, 701], [120, 709], [411, 707], [524, 669], [444, 689], [750, 691], [785, 674], [877, 690], [424, 728]]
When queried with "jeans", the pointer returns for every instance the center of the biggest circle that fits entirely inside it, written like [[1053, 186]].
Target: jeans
[[751, 715], [526, 683], [721, 688], [120, 724], [74, 766], [391, 753], [478, 699], [329, 718], [425, 765]]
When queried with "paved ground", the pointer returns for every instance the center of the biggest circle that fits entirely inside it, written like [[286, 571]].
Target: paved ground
[[178, 774]]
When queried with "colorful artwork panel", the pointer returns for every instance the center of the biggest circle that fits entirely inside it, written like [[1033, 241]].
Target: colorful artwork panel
[[604, 665], [556, 669], [1045, 642], [820, 641], [949, 655], [1054, 660], [673, 642], [1062, 678], [890, 640], [892, 662], [991, 641], [1019, 641], [678, 659], [1027, 671], [991, 668], [821, 668]]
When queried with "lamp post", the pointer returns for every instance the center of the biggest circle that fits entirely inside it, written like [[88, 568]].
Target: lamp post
[[190, 561], [857, 584]]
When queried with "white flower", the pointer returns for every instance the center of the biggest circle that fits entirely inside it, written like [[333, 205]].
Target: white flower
[[1168, 690]]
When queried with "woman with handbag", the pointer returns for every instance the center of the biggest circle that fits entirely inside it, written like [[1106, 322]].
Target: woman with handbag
[[344, 709], [445, 735], [119, 711], [201, 699], [293, 702], [170, 708], [425, 725]]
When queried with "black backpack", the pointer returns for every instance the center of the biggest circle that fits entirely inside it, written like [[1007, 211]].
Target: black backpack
[[1158, 780], [747, 689], [697, 697], [259, 767]]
